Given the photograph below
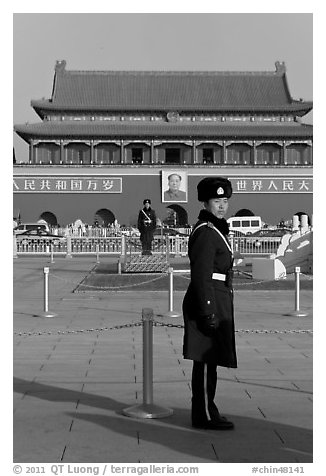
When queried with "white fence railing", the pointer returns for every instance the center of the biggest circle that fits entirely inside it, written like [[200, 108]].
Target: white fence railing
[[129, 245], [106, 232], [109, 246], [246, 245]]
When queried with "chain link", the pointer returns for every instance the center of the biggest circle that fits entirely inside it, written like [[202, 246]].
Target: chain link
[[162, 275], [237, 284], [104, 288], [79, 331], [159, 324], [245, 331], [252, 283]]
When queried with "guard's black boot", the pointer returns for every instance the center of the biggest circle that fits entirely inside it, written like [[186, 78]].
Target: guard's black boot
[[198, 414], [217, 421]]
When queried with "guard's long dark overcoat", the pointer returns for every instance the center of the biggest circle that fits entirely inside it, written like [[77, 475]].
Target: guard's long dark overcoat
[[209, 254], [146, 226]]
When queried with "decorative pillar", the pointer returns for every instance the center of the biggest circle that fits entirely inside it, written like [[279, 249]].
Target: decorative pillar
[[284, 158], [152, 159], [224, 152], [194, 152], [254, 153], [31, 152], [122, 153], [92, 152], [62, 153], [156, 151], [35, 153]]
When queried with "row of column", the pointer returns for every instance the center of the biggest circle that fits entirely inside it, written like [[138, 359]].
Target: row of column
[[152, 144]]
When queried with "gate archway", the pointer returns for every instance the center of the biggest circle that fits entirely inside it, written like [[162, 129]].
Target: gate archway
[[179, 217], [50, 218], [244, 212], [104, 217]]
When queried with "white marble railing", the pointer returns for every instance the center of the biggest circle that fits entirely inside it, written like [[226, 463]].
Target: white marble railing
[[117, 245]]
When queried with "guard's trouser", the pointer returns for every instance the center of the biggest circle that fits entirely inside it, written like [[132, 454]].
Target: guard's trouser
[[146, 241], [198, 407]]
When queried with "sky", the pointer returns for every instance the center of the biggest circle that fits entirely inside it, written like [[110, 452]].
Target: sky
[[155, 41]]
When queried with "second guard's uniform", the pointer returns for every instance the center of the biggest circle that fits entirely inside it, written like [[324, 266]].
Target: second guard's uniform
[[146, 225]]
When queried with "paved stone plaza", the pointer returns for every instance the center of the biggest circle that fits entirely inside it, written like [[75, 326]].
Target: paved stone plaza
[[70, 387]]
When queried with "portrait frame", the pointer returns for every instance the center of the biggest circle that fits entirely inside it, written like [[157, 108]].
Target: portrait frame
[[167, 195]]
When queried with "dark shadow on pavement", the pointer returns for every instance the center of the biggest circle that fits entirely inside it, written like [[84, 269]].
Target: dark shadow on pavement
[[254, 440]]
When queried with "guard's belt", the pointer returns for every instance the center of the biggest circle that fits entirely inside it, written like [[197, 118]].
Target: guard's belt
[[219, 276]]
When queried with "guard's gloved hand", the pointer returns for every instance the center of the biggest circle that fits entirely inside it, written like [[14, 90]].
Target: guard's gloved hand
[[208, 324]]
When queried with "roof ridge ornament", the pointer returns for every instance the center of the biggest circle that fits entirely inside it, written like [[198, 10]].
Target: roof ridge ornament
[[60, 66], [280, 67], [173, 116]]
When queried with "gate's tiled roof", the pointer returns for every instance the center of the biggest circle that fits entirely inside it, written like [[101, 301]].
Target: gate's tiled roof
[[170, 90], [88, 130]]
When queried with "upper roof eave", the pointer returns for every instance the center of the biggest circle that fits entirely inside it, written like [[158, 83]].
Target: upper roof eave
[[301, 107]]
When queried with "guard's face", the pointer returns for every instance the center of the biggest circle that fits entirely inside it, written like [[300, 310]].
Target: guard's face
[[147, 205], [217, 206]]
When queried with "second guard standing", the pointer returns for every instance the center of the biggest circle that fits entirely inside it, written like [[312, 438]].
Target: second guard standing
[[146, 226]]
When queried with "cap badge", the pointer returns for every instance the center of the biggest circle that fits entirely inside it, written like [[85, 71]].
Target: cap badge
[[220, 191]]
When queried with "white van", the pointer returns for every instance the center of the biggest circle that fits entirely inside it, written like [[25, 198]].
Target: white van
[[30, 226], [246, 225]]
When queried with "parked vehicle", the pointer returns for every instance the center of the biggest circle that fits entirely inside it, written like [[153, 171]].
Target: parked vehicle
[[247, 225], [168, 231], [39, 235], [129, 231], [30, 226], [268, 232]]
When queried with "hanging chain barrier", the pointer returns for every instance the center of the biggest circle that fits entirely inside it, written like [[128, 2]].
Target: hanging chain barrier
[[162, 275], [156, 324], [78, 331], [109, 288], [134, 285]]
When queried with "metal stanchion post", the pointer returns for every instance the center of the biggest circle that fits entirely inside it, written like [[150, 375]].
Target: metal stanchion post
[[97, 253], [171, 312], [46, 312], [147, 409], [297, 312]]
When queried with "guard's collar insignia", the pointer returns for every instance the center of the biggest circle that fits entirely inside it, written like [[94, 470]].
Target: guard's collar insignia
[[220, 191]]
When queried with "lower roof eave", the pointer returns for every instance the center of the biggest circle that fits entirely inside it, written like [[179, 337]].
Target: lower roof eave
[[107, 132], [28, 138]]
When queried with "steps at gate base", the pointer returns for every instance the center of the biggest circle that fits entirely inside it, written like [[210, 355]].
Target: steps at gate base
[[145, 264]]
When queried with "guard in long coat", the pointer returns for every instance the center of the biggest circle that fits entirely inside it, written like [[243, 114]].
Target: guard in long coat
[[209, 337], [146, 225]]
